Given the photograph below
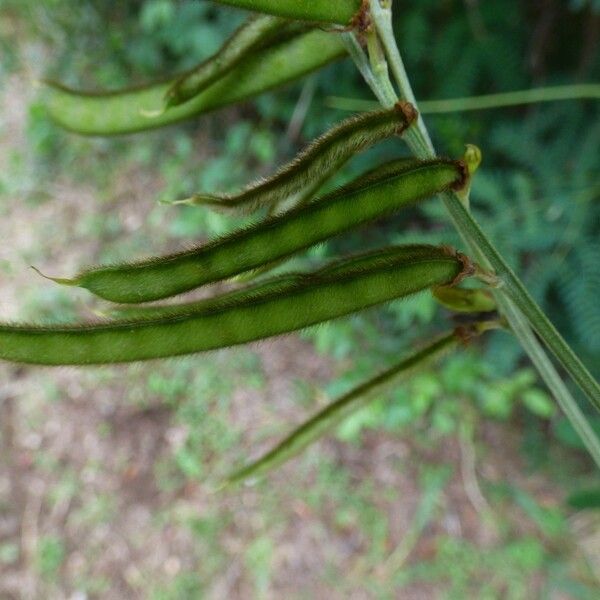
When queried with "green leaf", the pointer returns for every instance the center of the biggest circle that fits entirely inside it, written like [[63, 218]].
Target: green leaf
[[538, 402], [582, 499]]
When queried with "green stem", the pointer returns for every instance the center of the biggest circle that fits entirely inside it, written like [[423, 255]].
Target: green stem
[[362, 62], [548, 373], [512, 295], [532, 96], [469, 103], [379, 68], [514, 290], [382, 17]]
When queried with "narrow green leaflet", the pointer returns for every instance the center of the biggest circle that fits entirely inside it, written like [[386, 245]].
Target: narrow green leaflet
[[123, 111], [255, 32], [321, 159], [328, 11], [270, 240], [326, 419], [328, 294]]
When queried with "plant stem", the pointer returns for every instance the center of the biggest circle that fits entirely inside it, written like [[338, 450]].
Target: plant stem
[[531, 96], [514, 290], [379, 68], [472, 232], [548, 373], [382, 17], [486, 101], [512, 296], [362, 62]]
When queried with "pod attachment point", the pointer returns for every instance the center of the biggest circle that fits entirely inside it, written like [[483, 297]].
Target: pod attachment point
[[361, 21], [410, 114], [469, 268]]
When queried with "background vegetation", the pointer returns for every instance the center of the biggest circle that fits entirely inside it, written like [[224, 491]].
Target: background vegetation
[[455, 486]]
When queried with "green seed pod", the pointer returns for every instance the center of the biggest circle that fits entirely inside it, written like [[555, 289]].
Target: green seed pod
[[318, 297], [394, 166], [328, 418], [279, 283], [252, 34], [325, 11], [113, 113], [255, 291], [465, 300], [321, 159], [269, 240]]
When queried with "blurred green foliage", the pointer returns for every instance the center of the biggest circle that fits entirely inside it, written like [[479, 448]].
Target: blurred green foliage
[[51, 553]]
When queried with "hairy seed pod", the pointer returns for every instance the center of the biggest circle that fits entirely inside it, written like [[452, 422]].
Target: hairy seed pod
[[339, 12], [328, 418], [113, 113], [394, 166], [269, 240], [255, 32], [321, 159], [309, 193], [280, 283], [318, 297], [465, 300]]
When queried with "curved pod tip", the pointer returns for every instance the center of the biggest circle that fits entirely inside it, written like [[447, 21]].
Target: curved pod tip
[[118, 112], [59, 280], [329, 417]]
